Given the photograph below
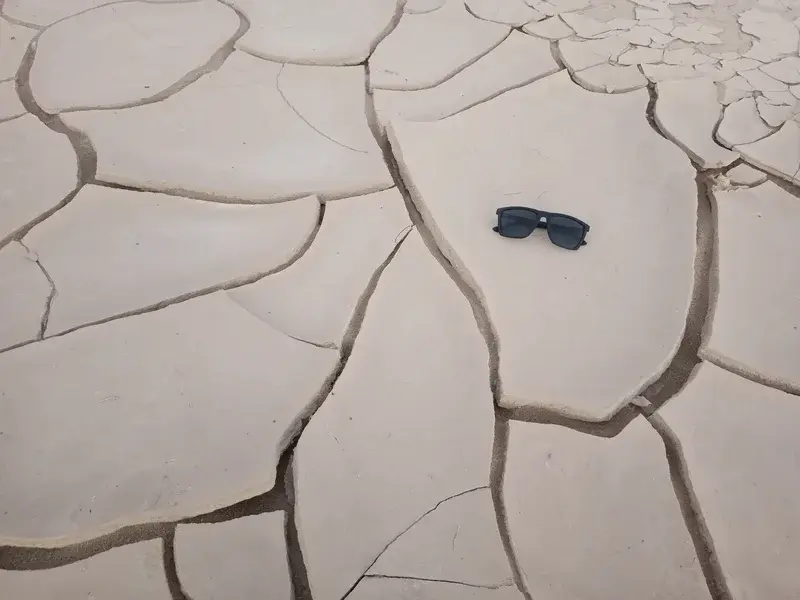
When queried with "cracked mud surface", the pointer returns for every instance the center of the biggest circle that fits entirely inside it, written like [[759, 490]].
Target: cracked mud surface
[[258, 340]]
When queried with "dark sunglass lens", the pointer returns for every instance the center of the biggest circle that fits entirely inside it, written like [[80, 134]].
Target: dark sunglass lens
[[565, 232], [517, 223]]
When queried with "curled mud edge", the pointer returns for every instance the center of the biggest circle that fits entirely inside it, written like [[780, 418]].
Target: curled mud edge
[[34, 558]]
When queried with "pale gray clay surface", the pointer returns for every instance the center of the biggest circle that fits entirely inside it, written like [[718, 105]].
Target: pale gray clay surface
[[259, 341]]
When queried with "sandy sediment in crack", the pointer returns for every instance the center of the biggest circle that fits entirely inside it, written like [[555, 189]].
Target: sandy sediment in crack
[[32, 558], [270, 501], [15, 557], [700, 311], [740, 162], [496, 479], [298, 574], [555, 51], [213, 64], [87, 157], [704, 287], [170, 566], [15, 116], [788, 186], [724, 362], [228, 285], [545, 416], [650, 111], [14, 21], [692, 512]]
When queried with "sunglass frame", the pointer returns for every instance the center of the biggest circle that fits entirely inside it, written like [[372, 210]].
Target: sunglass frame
[[543, 215]]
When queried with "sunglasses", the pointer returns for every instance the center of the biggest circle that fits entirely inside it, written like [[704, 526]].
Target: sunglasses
[[519, 222]]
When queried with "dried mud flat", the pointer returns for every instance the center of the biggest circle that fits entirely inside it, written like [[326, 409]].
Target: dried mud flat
[[258, 339]]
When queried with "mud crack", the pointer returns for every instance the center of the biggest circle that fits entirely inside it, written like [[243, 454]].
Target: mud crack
[[692, 513]]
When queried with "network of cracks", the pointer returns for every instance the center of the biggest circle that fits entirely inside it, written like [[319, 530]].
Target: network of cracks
[[260, 341]]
